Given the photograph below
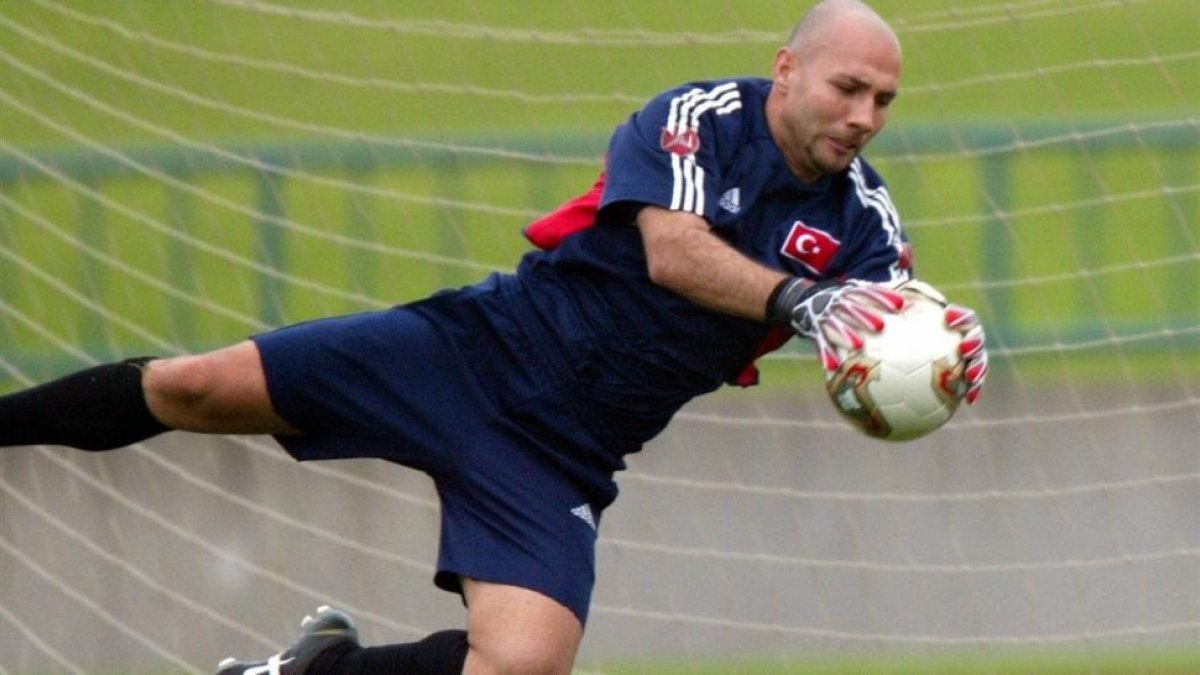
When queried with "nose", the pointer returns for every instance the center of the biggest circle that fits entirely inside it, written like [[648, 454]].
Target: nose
[[862, 114]]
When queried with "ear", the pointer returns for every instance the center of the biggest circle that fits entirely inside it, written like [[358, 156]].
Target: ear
[[785, 65]]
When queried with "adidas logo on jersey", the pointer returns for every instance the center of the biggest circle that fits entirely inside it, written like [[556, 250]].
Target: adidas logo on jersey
[[731, 201]]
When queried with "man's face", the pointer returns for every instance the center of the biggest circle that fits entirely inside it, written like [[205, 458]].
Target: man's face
[[833, 98]]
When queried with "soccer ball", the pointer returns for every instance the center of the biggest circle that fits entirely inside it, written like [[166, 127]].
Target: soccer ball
[[908, 379]]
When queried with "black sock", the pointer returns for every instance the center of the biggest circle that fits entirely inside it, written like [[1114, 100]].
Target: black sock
[[100, 408], [442, 653]]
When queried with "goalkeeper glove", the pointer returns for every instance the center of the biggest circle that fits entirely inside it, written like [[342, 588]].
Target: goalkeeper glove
[[973, 346], [832, 314]]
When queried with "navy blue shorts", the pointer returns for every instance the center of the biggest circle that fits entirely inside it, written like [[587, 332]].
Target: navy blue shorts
[[459, 386]]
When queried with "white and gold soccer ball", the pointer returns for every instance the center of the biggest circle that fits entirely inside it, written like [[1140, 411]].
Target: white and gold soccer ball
[[908, 379]]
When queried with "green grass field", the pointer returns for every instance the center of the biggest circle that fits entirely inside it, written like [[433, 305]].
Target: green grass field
[[1106, 664]]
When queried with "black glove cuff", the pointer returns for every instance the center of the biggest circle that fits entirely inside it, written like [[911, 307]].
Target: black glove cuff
[[790, 294], [787, 295]]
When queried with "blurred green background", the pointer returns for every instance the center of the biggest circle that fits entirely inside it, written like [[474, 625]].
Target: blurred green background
[[178, 174]]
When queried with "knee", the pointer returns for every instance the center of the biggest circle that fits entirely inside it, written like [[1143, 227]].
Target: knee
[[179, 381], [220, 392], [184, 393], [518, 660], [518, 631], [522, 652]]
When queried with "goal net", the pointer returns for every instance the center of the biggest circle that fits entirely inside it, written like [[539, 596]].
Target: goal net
[[177, 175]]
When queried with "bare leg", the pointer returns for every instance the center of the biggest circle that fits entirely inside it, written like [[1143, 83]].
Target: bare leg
[[220, 392], [514, 630]]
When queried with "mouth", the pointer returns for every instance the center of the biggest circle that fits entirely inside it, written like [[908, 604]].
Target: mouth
[[842, 146]]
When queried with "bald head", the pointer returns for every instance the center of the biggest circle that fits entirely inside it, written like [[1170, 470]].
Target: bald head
[[825, 21], [833, 85]]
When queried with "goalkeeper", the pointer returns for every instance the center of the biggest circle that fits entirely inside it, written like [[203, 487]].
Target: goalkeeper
[[730, 216]]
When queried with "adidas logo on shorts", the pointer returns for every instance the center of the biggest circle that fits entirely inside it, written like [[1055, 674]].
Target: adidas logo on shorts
[[584, 513]]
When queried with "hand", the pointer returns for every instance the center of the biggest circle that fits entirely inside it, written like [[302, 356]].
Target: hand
[[973, 345], [834, 314], [973, 348]]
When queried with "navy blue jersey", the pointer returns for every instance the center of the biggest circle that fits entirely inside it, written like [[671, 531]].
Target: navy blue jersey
[[706, 148], [522, 394]]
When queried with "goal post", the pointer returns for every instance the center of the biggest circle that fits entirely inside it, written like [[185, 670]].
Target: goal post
[[175, 176]]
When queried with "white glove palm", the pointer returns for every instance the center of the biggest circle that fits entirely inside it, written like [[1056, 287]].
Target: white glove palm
[[834, 314]]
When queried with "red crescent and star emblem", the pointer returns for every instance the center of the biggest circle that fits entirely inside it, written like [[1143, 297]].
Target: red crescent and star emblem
[[810, 247]]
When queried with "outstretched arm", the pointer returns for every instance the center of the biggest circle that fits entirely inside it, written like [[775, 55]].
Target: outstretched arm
[[683, 255]]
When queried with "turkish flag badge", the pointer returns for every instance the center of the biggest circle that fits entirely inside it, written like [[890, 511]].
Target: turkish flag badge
[[810, 247]]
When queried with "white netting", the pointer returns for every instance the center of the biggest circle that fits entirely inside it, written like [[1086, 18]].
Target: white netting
[[176, 175]]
